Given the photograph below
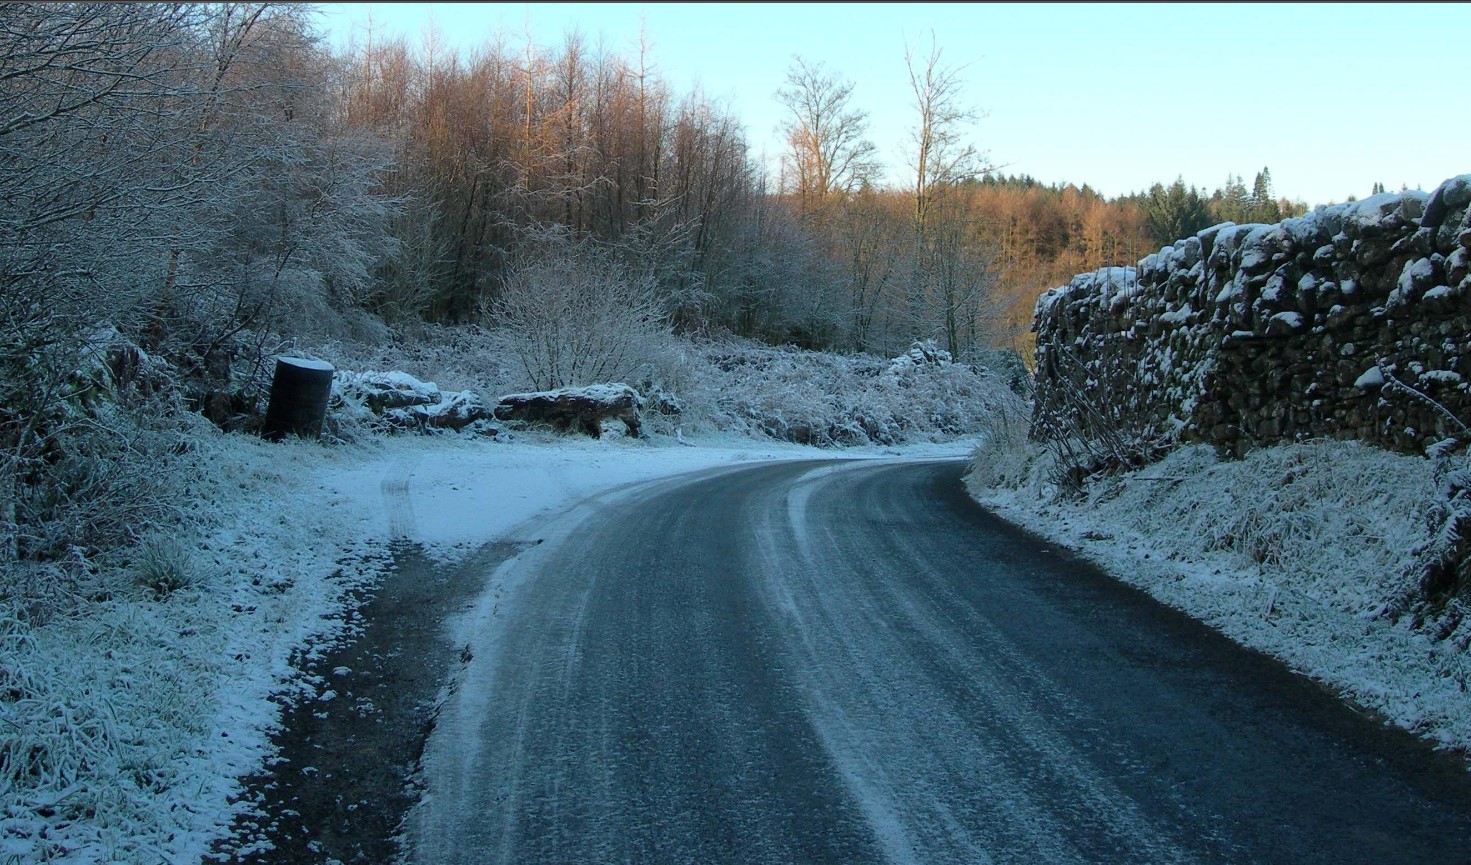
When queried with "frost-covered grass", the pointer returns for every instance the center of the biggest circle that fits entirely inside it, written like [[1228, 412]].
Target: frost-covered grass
[[127, 718], [1311, 552]]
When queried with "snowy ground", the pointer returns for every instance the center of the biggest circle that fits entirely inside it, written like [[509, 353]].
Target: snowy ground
[[451, 495], [141, 718], [1311, 553]]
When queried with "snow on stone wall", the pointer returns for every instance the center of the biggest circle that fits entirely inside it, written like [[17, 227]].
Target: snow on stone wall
[[1248, 335]]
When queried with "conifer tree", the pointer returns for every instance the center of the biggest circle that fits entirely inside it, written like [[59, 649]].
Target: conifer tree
[[1173, 212], [1263, 207]]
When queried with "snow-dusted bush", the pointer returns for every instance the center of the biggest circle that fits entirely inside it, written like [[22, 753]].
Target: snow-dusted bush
[[571, 314], [730, 385], [462, 357], [112, 462], [827, 399], [1004, 457], [1089, 434]]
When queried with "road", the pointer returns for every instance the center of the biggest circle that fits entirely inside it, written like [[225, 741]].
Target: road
[[818, 662]]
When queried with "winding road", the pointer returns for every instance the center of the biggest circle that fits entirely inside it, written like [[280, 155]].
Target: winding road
[[852, 662]]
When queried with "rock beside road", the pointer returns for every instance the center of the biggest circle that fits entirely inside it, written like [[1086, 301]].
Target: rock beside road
[[583, 409], [402, 402]]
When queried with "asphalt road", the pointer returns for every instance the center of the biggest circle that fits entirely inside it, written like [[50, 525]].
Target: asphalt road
[[849, 663]]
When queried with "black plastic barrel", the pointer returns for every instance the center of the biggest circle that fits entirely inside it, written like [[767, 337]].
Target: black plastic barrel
[[299, 394]]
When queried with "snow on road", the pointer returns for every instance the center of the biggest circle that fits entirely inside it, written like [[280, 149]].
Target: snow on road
[[182, 688], [821, 663], [451, 495]]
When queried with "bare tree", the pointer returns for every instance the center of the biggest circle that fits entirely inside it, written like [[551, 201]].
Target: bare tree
[[942, 156], [873, 238], [958, 274], [828, 153], [954, 272], [88, 93], [573, 315]]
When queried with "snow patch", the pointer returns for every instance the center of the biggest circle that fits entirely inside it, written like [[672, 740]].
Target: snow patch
[[1290, 321], [306, 363], [1372, 377]]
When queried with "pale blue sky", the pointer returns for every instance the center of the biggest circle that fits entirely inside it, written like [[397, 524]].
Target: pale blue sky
[[1333, 97]]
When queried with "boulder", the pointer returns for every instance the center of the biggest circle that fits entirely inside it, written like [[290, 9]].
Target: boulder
[[454, 411], [581, 408], [399, 401], [385, 391]]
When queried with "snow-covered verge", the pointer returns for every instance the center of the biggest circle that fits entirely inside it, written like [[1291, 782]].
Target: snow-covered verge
[[731, 385], [832, 400], [127, 720], [1313, 553], [127, 725]]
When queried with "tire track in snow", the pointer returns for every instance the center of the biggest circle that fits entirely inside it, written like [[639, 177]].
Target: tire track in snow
[[402, 524]]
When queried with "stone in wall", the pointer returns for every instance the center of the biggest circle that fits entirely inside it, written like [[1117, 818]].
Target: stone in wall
[[1353, 321]]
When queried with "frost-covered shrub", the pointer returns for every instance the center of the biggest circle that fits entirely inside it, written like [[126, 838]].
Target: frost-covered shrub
[[1009, 365], [571, 314], [164, 566], [461, 357], [1004, 457], [925, 353], [112, 477], [1088, 432], [826, 399], [730, 385], [111, 463]]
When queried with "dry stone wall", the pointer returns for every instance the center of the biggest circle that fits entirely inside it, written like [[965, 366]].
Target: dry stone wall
[[1353, 321]]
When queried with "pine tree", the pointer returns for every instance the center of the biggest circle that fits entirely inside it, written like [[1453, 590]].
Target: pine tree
[[1174, 212], [1263, 203], [1231, 202]]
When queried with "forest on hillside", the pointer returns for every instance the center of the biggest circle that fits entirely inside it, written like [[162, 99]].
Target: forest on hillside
[[492, 148], [219, 171], [208, 185]]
